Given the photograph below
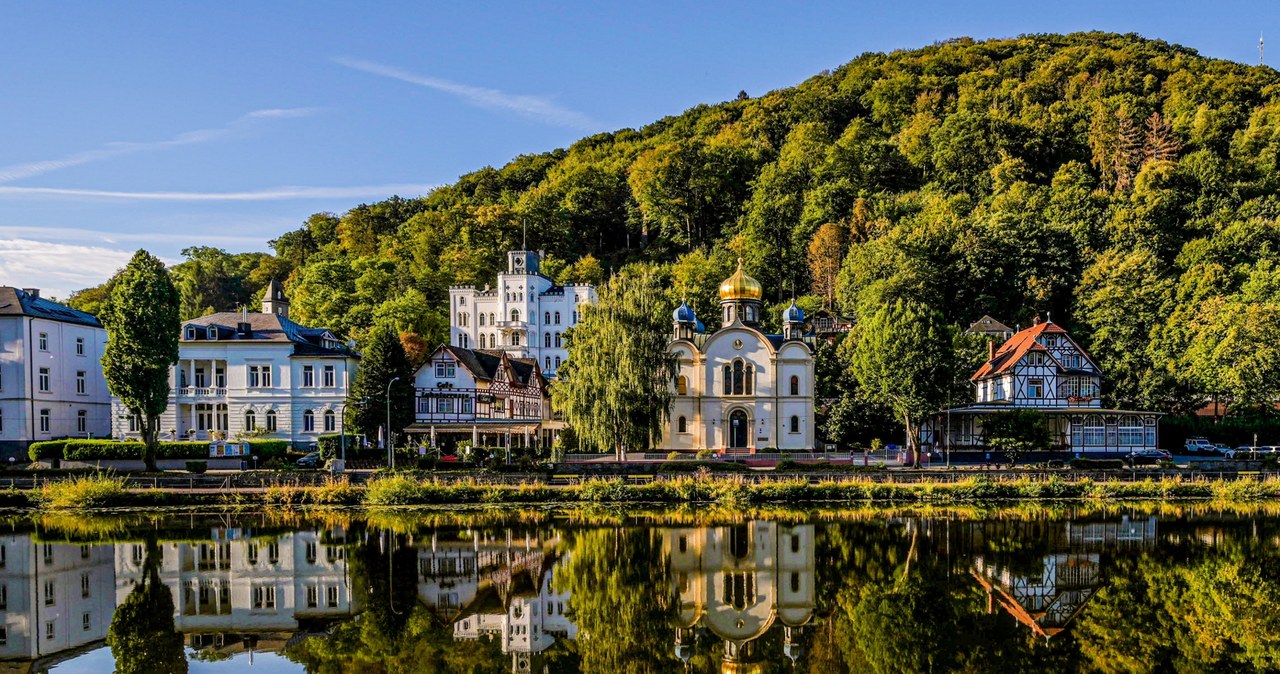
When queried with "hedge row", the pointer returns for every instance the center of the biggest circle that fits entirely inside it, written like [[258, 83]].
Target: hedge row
[[102, 450]]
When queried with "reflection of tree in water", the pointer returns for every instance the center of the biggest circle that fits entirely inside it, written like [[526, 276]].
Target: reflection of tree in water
[[142, 636]]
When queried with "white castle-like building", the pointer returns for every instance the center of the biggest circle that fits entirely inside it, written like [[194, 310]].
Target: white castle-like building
[[739, 389], [524, 315]]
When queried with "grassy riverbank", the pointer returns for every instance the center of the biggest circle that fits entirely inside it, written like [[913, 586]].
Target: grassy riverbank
[[105, 491]]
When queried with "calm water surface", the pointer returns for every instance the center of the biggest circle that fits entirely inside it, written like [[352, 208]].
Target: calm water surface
[[1111, 589]]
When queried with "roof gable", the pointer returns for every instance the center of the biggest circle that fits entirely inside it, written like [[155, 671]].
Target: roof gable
[[1012, 351]]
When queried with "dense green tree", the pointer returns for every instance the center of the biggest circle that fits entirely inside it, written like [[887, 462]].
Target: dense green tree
[[141, 636], [384, 378], [615, 388], [1013, 433], [142, 343]]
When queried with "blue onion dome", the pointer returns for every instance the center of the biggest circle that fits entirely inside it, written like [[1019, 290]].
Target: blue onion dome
[[684, 314], [792, 314]]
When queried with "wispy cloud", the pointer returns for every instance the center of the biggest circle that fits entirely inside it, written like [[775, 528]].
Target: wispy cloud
[[118, 148], [57, 268], [536, 107], [82, 235], [270, 194]]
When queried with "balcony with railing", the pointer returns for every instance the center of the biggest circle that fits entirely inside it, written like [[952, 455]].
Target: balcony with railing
[[202, 392]]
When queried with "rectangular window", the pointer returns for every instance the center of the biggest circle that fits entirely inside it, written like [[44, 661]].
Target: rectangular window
[[444, 406], [1035, 388], [44, 341], [86, 620], [4, 635], [48, 631], [308, 376], [82, 422], [79, 346], [220, 377], [329, 377], [313, 596], [133, 423], [445, 370], [468, 406], [44, 380], [50, 593], [260, 376], [331, 596], [81, 382], [4, 597], [84, 551], [85, 585], [44, 421], [264, 597], [253, 376]]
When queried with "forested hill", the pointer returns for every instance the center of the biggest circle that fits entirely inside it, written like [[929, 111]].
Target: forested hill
[[1126, 186]]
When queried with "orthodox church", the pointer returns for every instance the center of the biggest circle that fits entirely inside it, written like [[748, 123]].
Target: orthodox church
[[739, 389]]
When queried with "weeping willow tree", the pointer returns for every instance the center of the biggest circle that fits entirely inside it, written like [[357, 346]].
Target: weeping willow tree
[[615, 389]]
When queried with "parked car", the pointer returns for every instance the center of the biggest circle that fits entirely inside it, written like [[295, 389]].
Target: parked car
[[1241, 452], [1197, 444], [309, 460], [1148, 457]]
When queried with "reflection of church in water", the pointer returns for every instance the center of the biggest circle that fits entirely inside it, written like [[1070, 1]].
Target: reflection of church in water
[[738, 582]]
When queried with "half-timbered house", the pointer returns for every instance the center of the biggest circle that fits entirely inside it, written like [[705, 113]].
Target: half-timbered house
[[496, 399], [1043, 368]]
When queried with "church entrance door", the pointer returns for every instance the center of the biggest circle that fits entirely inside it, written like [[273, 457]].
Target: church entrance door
[[738, 428]]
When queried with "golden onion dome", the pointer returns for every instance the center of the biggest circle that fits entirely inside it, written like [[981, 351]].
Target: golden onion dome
[[740, 286]]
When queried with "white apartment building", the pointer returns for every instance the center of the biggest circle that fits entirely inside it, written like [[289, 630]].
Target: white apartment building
[[51, 383], [525, 315], [253, 374], [53, 599]]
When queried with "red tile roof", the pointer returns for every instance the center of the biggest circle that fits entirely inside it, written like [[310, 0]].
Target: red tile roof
[[1015, 348]]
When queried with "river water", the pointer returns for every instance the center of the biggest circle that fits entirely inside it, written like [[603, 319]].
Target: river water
[[1119, 588]]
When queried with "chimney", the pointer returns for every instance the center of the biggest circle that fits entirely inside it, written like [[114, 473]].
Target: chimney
[[991, 350], [243, 329], [33, 293]]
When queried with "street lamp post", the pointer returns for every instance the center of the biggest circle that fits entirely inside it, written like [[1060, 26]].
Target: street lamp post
[[391, 457]]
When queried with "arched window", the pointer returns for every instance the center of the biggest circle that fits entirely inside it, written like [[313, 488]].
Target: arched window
[[682, 386], [557, 340], [515, 315], [548, 363], [546, 340], [308, 421], [491, 321], [739, 376], [271, 421], [546, 318], [557, 362], [557, 318], [330, 421], [250, 420], [728, 380], [482, 320], [748, 380], [795, 385], [795, 424], [681, 426]]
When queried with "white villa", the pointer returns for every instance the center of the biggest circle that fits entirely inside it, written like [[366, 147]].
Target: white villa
[[524, 315], [254, 374], [491, 396], [52, 598], [1043, 368], [51, 383], [739, 389]]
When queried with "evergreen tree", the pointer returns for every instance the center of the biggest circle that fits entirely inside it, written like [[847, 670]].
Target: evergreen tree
[[142, 343], [382, 360], [615, 388]]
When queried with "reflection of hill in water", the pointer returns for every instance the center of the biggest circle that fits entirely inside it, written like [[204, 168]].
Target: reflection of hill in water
[[739, 597]]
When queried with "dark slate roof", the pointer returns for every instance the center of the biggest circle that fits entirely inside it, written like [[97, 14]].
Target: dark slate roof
[[269, 328], [484, 364], [18, 302]]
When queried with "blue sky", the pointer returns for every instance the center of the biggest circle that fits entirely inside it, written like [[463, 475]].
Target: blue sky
[[169, 124]]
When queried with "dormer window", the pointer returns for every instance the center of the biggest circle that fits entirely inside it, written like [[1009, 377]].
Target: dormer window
[[191, 333], [213, 332]]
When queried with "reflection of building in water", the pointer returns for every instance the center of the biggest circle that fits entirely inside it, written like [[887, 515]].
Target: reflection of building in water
[[52, 598], [233, 593], [1047, 599], [739, 581], [497, 587]]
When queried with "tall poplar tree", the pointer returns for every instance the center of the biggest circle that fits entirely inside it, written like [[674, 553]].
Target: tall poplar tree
[[382, 359], [142, 343], [615, 389]]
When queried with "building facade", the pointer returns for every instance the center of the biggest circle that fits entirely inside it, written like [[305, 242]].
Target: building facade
[[51, 383], [739, 389], [253, 374], [1042, 368], [525, 315], [491, 397]]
